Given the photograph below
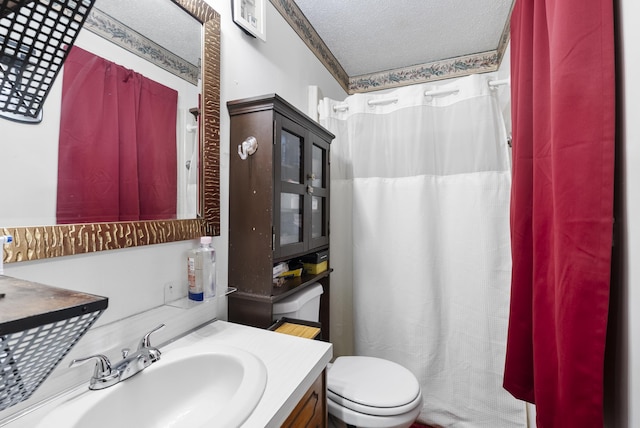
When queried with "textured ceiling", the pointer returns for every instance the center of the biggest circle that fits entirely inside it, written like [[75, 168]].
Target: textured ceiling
[[368, 36]]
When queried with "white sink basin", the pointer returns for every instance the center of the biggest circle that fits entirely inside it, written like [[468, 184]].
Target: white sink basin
[[186, 388]]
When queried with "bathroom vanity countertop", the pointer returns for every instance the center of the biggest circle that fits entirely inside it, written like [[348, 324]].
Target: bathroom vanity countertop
[[292, 363]]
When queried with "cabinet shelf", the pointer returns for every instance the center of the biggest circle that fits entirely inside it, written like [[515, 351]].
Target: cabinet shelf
[[293, 285]]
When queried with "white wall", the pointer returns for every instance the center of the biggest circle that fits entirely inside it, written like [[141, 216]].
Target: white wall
[[134, 279]]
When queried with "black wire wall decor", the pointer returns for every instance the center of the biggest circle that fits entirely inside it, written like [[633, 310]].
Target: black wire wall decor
[[35, 38]]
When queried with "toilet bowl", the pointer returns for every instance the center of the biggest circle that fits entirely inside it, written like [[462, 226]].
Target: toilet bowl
[[363, 392], [371, 392]]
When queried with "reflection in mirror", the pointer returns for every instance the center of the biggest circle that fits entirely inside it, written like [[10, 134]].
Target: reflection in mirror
[[92, 107], [32, 161], [31, 56], [127, 139]]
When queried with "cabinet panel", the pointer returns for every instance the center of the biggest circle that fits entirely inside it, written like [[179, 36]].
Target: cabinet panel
[[250, 190], [278, 204], [311, 411]]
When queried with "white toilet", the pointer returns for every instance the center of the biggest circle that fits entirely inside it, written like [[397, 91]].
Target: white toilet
[[363, 392]]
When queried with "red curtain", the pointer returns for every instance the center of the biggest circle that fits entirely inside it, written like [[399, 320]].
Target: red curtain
[[563, 115], [117, 156]]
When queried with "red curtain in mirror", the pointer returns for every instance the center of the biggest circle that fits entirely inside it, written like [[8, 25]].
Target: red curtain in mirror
[[117, 147], [563, 115]]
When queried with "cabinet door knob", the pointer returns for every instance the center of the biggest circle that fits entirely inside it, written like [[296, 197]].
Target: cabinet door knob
[[310, 190], [311, 176]]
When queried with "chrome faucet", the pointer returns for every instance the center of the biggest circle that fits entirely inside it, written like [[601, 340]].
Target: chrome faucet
[[105, 376]]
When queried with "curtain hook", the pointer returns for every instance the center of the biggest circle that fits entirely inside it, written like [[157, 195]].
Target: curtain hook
[[247, 148]]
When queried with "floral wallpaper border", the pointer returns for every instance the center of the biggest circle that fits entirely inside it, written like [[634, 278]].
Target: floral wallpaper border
[[437, 70], [482, 62], [105, 26]]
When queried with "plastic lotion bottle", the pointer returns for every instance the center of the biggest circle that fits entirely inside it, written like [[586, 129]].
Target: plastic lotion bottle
[[201, 266]]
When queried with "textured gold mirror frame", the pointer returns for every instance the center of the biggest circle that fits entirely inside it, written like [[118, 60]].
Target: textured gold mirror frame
[[41, 242]]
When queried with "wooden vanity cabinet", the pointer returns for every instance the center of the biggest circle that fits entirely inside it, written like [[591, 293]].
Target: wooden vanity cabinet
[[278, 205], [311, 411]]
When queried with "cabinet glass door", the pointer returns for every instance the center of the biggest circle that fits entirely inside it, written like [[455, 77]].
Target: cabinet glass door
[[290, 157], [317, 217], [317, 166], [301, 189], [291, 218], [318, 183]]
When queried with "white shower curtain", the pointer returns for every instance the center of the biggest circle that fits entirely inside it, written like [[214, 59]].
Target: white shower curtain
[[420, 244]]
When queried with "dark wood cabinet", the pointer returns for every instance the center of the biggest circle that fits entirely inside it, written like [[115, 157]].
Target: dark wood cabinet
[[278, 205]]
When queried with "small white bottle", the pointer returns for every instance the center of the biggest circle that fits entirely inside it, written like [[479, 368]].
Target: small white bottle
[[211, 276], [201, 270]]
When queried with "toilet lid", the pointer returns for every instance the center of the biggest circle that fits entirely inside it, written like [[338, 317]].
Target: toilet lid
[[372, 385]]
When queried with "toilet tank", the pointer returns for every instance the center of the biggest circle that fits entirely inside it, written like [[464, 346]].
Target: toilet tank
[[303, 305]]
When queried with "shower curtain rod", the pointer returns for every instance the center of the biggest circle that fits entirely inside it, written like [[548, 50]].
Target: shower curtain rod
[[500, 82], [435, 92]]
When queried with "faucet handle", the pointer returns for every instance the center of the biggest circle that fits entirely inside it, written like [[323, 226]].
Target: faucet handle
[[103, 376], [103, 365], [145, 342]]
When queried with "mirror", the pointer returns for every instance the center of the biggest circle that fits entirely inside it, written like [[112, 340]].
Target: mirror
[[44, 241]]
